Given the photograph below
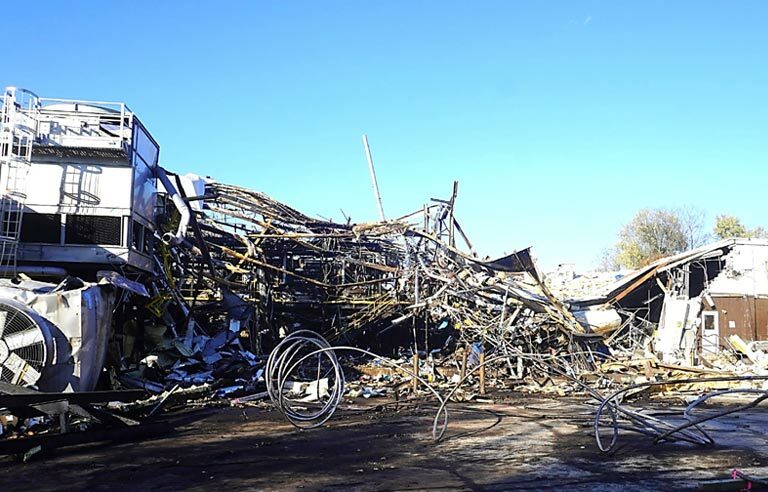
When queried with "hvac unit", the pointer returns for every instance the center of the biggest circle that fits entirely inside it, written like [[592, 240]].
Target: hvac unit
[[25, 344]]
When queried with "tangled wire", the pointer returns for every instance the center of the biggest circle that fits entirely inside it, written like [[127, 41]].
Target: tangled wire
[[307, 361], [689, 430], [307, 357], [301, 352]]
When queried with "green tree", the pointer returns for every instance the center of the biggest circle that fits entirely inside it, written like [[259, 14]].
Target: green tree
[[650, 235], [729, 226]]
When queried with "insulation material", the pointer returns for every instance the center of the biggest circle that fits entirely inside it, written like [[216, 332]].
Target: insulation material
[[745, 272]]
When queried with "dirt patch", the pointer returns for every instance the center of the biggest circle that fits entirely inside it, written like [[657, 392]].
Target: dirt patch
[[524, 443]]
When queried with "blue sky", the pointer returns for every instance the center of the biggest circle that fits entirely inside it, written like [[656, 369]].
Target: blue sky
[[559, 119]]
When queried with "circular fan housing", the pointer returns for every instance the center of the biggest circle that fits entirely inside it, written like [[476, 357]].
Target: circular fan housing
[[25, 344]]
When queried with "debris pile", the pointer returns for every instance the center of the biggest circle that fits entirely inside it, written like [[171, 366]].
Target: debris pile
[[246, 277], [390, 285], [218, 361], [251, 270], [194, 290]]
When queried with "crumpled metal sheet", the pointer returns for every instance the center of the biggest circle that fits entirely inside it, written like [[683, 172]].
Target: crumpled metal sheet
[[109, 277], [78, 316]]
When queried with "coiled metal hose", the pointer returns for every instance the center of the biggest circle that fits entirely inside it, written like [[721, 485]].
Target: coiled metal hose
[[298, 353], [291, 360], [307, 356]]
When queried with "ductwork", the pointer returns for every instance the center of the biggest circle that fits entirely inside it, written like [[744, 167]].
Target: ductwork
[[181, 206]]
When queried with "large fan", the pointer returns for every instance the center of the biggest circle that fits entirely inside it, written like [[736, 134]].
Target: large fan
[[24, 344]]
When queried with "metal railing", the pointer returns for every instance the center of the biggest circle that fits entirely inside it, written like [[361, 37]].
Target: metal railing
[[19, 117], [115, 116]]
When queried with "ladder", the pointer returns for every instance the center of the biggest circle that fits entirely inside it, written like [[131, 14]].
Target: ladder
[[19, 116]]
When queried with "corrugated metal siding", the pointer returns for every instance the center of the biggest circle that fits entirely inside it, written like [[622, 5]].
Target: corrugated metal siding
[[738, 316], [761, 315]]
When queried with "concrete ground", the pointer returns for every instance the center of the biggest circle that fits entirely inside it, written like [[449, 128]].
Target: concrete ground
[[520, 443]]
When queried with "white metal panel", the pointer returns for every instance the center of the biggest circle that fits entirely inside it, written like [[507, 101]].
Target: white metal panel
[[676, 336], [45, 186], [73, 253], [84, 318], [78, 188]]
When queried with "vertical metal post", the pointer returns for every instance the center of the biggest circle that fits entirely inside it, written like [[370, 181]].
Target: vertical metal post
[[464, 357], [415, 371], [451, 234], [482, 372], [373, 177], [122, 124]]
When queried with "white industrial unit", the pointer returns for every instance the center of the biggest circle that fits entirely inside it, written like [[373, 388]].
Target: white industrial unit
[[91, 189]]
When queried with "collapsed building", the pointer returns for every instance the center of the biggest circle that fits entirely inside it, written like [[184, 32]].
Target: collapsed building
[[123, 275], [217, 259], [692, 305], [212, 258]]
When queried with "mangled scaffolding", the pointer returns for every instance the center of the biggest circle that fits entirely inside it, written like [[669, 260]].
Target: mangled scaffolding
[[401, 279]]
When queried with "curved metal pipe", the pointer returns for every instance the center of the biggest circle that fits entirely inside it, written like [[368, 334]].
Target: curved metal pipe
[[181, 206], [36, 270]]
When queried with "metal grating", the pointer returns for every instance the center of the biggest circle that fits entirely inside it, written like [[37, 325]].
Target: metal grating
[[94, 229], [41, 228]]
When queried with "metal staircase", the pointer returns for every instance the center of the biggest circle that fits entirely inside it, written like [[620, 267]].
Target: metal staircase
[[19, 116]]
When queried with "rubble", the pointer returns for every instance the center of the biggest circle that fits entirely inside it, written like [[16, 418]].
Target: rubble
[[226, 296], [252, 273]]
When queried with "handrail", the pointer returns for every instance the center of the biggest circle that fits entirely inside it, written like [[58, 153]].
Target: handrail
[[82, 101], [114, 111], [120, 118], [32, 100]]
